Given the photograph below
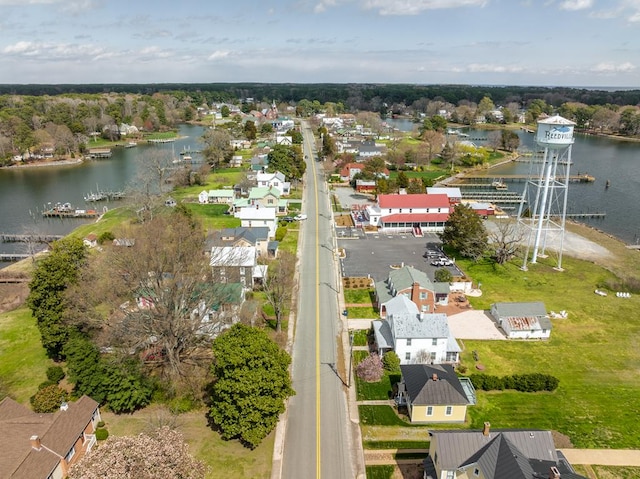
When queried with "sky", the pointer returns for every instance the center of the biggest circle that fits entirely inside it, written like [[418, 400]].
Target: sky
[[588, 43]]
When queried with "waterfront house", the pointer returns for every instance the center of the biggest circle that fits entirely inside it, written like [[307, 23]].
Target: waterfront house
[[414, 336], [496, 454], [44, 446], [523, 320], [434, 393], [224, 196], [275, 180]]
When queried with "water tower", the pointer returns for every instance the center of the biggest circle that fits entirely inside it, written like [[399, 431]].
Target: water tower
[[543, 207]]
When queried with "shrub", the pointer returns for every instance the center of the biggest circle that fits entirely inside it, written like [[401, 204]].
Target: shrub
[[370, 369], [391, 362], [100, 423], [46, 384], [55, 374], [101, 434], [48, 399], [443, 275], [520, 382], [106, 236], [281, 231]]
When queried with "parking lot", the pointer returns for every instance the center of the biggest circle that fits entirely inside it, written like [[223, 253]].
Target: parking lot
[[373, 254]]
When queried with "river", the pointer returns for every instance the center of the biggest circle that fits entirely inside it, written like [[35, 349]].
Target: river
[[26, 192], [606, 159]]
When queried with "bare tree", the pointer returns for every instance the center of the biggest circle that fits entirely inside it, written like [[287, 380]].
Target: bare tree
[[505, 239], [151, 182], [156, 298], [278, 286], [433, 141], [217, 146]]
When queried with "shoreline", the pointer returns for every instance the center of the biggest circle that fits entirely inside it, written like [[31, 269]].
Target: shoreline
[[43, 164]]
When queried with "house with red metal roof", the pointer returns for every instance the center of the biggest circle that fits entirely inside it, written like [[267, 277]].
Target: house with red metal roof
[[415, 214]]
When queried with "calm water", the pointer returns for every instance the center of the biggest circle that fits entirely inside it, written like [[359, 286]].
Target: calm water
[[605, 159], [26, 192]]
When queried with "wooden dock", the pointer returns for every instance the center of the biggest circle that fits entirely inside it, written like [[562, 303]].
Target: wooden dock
[[584, 178], [10, 238], [7, 257], [506, 197]]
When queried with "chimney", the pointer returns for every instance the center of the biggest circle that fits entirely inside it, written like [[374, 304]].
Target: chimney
[[554, 473], [434, 376], [486, 428], [415, 293], [64, 406], [35, 442]]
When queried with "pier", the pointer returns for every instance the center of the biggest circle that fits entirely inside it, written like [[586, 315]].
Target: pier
[[8, 257], [162, 140], [9, 238], [583, 178], [98, 153], [493, 196]]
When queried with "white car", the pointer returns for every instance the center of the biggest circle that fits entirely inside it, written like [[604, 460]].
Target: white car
[[300, 217]]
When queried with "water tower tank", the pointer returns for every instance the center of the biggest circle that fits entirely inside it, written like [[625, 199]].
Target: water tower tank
[[555, 132]]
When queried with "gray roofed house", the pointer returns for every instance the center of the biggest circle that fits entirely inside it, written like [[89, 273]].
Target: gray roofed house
[[414, 336], [523, 320], [416, 285], [434, 393], [499, 454]]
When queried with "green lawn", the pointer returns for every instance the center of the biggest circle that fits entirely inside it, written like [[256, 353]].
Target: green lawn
[[23, 361], [382, 416], [378, 390], [380, 472], [361, 312], [360, 337], [594, 352], [359, 296], [213, 216]]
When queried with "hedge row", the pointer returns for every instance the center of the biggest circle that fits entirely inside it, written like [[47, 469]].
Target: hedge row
[[520, 382]]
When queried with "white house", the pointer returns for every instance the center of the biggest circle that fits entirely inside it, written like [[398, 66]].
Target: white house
[[276, 180], [254, 216], [216, 196], [417, 338], [523, 320]]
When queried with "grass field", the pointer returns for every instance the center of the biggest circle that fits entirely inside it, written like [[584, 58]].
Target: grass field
[[23, 361]]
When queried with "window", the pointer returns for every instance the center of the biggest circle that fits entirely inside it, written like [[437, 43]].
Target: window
[[429, 410], [70, 454], [407, 356], [242, 270], [423, 295], [432, 357], [451, 475], [448, 411], [409, 342], [434, 342]]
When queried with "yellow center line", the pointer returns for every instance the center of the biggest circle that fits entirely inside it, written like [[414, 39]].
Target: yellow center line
[[317, 216]]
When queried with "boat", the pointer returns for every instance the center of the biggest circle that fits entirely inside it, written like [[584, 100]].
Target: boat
[[91, 197], [499, 185], [131, 144]]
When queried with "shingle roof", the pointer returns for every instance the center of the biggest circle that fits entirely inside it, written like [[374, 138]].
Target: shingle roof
[[422, 389], [57, 431]]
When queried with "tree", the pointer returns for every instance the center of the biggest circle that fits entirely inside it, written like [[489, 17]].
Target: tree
[[287, 160], [443, 275], [160, 453], [251, 384], [278, 286], [402, 180], [159, 293], [250, 130], [505, 239], [328, 146], [370, 369], [48, 399], [391, 362], [465, 232], [51, 278], [217, 146], [116, 382], [509, 140]]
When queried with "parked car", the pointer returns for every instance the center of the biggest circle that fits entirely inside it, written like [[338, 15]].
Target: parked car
[[287, 219], [300, 217]]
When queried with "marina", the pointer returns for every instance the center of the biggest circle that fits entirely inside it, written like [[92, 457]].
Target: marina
[[12, 238], [66, 210]]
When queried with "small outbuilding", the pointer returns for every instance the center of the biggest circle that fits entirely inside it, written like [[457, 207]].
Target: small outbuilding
[[523, 320]]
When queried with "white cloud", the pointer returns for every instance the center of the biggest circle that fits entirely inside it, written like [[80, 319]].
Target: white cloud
[[490, 68], [606, 67], [414, 7], [218, 54], [576, 4]]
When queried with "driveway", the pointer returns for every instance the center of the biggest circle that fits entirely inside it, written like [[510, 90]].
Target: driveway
[[474, 325]]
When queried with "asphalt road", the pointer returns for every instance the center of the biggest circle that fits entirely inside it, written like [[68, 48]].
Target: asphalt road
[[317, 439]]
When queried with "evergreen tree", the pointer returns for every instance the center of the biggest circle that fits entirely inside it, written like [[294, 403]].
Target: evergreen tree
[[51, 278], [465, 232], [251, 384]]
